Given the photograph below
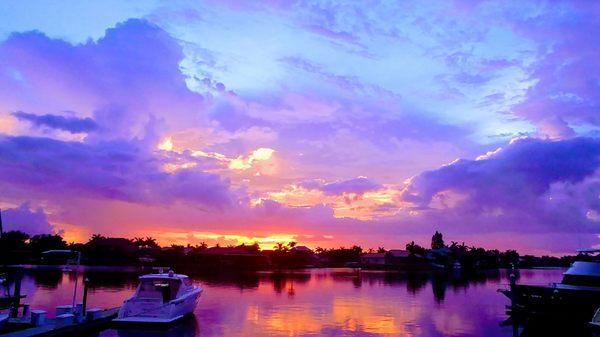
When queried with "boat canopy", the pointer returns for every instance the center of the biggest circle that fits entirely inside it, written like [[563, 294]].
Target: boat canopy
[[582, 268]]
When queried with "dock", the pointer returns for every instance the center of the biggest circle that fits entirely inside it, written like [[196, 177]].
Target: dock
[[53, 327]]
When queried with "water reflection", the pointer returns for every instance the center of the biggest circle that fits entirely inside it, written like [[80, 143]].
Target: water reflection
[[340, 302], [48, 278], [188, 327]]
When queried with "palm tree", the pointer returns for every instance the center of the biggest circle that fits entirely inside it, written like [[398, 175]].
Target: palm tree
[[97, 237], [280, 247]]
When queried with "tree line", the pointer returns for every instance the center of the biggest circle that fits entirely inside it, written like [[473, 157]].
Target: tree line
[[17, 247]]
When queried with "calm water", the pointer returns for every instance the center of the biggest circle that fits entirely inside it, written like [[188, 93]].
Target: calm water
[[331, 302]]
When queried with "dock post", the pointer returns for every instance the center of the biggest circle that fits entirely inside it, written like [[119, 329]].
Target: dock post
[[17, 294], [38, 317], [513, 283], [86, 283]]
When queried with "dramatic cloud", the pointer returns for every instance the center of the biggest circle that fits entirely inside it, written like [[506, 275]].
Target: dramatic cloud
[[185, 126], [566, 93], [114, 170], [124, 81], [71, 124], [357, 185], [24, 219], [530, 184]]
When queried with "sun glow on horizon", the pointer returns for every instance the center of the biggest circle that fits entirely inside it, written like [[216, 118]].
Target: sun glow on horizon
[[212, 238]]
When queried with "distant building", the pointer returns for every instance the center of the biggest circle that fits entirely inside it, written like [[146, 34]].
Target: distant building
[[113, 244], [240, 257], [398, 257], [372, 259], [395, 259], [239, 250], [302, 249], [439, 256], [398, 253], [301, 256], [438, 252]]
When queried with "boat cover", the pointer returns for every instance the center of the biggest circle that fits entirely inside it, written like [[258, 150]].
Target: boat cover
[[582, 268]]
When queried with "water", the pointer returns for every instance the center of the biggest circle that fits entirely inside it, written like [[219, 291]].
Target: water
[[316, 302]]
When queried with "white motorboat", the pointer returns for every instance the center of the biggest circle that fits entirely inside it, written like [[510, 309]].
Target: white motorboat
[[160, 298]]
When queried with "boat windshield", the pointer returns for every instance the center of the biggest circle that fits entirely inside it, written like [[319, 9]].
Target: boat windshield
[[583, 273], [159, 289]]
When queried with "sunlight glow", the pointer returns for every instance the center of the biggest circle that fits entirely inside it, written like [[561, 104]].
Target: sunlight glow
[[260, 154], [166, 144], [365, 206], [212, 238]]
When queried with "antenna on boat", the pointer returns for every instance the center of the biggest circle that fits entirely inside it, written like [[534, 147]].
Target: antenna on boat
[[1, 230]]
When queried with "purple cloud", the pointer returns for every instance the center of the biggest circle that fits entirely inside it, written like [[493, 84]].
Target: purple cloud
[[71, 124], [120, 170], [120, 81], [567, 88], [118, 85], [357, 185], [382, 89], [530, 184], [23, 218], [526, 166]]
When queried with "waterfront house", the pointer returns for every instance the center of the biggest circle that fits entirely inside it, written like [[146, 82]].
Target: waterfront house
[[397, 256], [372, 259], [302, 249], [239, 257], [403, 259], [302, 256]]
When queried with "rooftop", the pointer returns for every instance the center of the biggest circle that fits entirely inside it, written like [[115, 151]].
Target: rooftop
[[399, 253], [302, 249], [162, 276], [246, 250], [373, 255]]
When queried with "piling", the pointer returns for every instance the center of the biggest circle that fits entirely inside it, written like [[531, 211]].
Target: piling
[[86, 283], [17, 294]]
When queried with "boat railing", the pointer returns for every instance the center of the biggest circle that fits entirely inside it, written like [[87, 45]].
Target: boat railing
[[535, 284]]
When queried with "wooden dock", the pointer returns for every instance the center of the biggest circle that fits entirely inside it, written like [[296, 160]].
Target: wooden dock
[[51, 328]]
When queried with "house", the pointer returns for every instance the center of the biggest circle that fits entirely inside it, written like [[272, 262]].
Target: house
[[397, 256], [239, 250], [302, 249], [372, 259], [442, 252], [403, 259], [239, 257]]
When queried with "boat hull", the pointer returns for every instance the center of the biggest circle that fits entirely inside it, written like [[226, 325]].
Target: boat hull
[[149, 320], [137, 312], [553, 301]]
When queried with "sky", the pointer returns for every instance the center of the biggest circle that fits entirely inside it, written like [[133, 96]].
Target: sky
[[322, 122]]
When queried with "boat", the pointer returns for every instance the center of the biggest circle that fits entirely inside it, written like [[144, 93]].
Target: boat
[[160, 298], [595, 323], [576, 297]]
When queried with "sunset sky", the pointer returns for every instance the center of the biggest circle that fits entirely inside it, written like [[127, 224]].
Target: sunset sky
[[320, 122]]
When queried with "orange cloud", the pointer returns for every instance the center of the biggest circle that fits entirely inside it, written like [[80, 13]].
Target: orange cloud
[[365, 206]]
